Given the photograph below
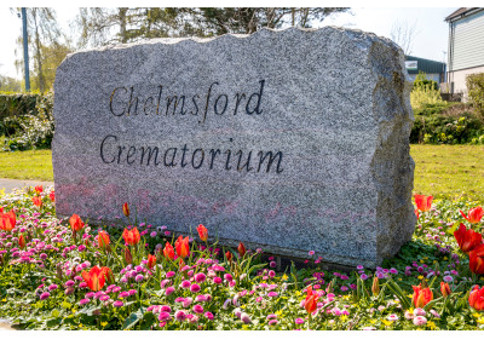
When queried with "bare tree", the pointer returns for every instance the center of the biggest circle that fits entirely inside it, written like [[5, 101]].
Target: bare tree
[[403, 34]]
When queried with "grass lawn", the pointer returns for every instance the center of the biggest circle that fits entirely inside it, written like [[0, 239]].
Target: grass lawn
[[32, 164], [441, 170], [449, 170]]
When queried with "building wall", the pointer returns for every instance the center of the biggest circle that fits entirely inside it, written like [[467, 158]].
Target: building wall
[[459, 79], [466, 51], [430, 76], [467, 42]]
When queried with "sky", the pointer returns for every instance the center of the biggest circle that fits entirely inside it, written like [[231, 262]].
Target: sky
[[430, 30]]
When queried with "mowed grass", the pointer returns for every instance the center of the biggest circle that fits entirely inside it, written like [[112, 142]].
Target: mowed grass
[[449, 170], [441, 170], [32, 164]]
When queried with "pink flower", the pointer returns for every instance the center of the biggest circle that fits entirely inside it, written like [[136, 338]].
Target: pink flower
[[194, 288], [164, 316], [409, 316], [84, 301], [209, 315], [170, 274], [419, 320], [44, 295], [180, 315], [299, 321], [169, 291], [185, 284], [198, 309], [118, 303], [200, 277], [419, 312], [245, 318], [187, 302], [200, 298]]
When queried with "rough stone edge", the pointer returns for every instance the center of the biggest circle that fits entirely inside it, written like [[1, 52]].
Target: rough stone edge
[[353, 33], [401, 122]]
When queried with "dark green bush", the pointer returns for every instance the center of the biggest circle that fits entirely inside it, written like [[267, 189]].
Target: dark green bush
[[445, 128], [17, 104]]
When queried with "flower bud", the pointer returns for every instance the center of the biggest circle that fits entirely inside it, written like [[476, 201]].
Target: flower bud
[[127, 256], [375, 287]]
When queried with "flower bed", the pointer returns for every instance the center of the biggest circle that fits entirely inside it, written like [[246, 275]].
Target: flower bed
[[57, 274]]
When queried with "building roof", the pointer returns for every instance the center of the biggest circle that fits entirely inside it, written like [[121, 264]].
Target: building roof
[[462, 12], [426, 65]]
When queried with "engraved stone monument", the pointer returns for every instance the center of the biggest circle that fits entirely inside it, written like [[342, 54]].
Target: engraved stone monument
[[291, 141]]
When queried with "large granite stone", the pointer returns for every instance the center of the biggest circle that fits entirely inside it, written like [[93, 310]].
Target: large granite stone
[[292, 140]]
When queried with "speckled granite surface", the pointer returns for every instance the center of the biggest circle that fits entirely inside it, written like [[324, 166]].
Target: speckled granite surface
[[291, 140]]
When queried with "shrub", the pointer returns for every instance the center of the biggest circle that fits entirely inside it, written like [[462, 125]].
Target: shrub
[[475, 87], [447, 129], [424, 93], [17, 104], [32, 130]]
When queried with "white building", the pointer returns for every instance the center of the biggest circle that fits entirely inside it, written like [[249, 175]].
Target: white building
[[466, 46]]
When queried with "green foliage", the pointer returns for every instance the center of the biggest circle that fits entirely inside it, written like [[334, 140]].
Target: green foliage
[[475, 87], [17, 104], [39, 289], [440, 122], [28, 128], [436, 128], [424, 92], [422, 81]]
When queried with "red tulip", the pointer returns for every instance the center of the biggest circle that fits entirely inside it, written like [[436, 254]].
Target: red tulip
[[132, 236], [424, 203], [241, 249], [52, 196], [95, 278], [202, 232], [39, 189], [8, 220], [467, 239], [108, 274], [126, 209], [311, 302], [445, 289], [417, 213], [151, 261], [103, 239], [476, 260], [37, 200], [476, 298], [228, 255], [127, 256], [168, 251], [21, 242], [182, 247], [76, 223], [474, 215], [421, 296]]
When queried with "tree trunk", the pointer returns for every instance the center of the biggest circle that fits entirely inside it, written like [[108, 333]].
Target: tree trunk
[[123, 23], [38, 56]]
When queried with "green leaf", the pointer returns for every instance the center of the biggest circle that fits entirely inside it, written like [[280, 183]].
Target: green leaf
[[134, 318]]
